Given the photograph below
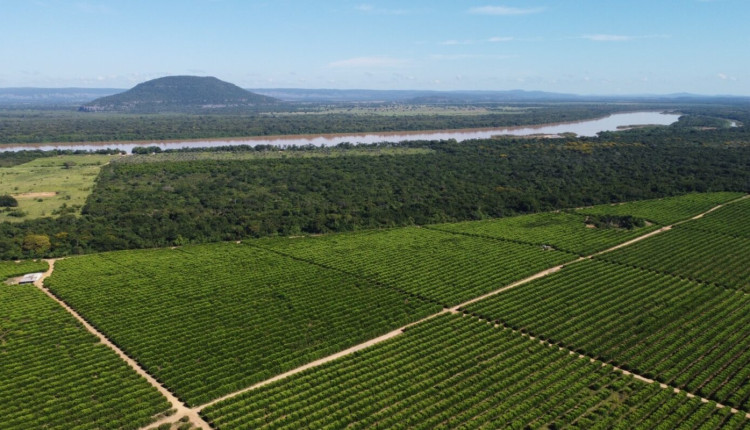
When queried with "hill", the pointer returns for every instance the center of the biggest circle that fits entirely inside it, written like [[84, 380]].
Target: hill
[[179, 94]]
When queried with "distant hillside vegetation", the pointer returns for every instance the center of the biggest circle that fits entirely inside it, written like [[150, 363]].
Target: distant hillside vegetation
[[180, 94]]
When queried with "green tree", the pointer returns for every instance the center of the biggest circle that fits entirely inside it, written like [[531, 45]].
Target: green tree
[[36, 243]]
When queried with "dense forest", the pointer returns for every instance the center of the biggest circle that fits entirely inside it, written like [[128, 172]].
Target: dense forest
[[19, 126], [137, 205]]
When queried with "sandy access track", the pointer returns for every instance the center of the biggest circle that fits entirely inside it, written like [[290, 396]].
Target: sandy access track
[[35, 195], [180, 407]]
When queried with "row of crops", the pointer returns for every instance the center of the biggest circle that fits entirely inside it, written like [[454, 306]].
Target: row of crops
[[692, 253], [731, 219], [55, 375], [460, 372], [689, 335], [211, 319], [445, 267], [9, 269], [564, 231], [667, 210]]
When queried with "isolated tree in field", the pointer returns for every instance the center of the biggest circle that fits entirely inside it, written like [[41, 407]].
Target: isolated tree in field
[[8, 201]]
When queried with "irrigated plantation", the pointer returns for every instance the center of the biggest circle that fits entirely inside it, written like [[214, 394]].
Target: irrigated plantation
[[445, 267], [9, 269], [569, 232], [690, 335], [55, 375], [459, 372], [208, 320]]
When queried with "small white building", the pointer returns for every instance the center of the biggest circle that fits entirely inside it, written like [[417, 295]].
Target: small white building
[[30, 278]]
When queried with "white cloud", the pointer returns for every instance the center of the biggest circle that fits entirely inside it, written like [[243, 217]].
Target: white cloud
[[469, 57], [368, 62], [607, 37], [454, 42], [370, 9], [725, 77], [504, 10], [500, 39], [620, 37]]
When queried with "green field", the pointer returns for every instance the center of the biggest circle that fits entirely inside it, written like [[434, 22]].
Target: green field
[[211, 319], [564, 231], [695, 254], [455, 372], [444, 267], [50, 186], [731, 220], [9, 269], [666, 210], [690, 335], [55, 375]]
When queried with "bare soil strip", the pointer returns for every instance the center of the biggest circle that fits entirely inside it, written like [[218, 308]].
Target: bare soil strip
[[181, 408], [35, 195]]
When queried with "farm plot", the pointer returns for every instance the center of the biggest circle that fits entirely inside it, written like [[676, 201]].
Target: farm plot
[[9, 269], [459, 372], [690, 335], [446, 267], [733, 220], [695, 254], [666, 210], [208, 320], [55, 375], [564, 231]]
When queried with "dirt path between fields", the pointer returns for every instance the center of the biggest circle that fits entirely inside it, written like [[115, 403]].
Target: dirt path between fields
[[458, 308], [181, 408]]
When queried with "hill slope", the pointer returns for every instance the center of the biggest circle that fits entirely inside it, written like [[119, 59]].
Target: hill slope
[[179, 94]]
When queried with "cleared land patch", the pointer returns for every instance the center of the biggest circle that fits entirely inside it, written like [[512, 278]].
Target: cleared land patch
[[564, 231], [212, 319], [690, 335], [459, 372], [55, 375], [50, 186], [446, 267]]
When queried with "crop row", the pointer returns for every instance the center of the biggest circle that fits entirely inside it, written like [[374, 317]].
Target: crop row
[[695, 254], [55, 375], [690, 335], [212, 319], [564, 231], [666, 210], [9, 269], [733, 219], [446, 267], [459, 372]]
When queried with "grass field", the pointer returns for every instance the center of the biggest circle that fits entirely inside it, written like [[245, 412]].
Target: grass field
[[50, 186]]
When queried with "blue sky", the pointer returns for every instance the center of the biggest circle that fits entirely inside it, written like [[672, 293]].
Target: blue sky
[[581, 46]]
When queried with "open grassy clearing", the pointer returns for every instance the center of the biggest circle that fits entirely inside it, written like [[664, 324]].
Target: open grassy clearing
[[459, 372], [666, 210], [9, 269], [445, 267], [265, 155], [50, 186], [565, 231], [208, 320], [55, 375], [690, 335]]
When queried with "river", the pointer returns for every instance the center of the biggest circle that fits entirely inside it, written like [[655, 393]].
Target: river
[[582, 128]]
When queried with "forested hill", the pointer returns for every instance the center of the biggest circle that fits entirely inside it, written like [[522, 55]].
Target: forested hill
[[179, 94]]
